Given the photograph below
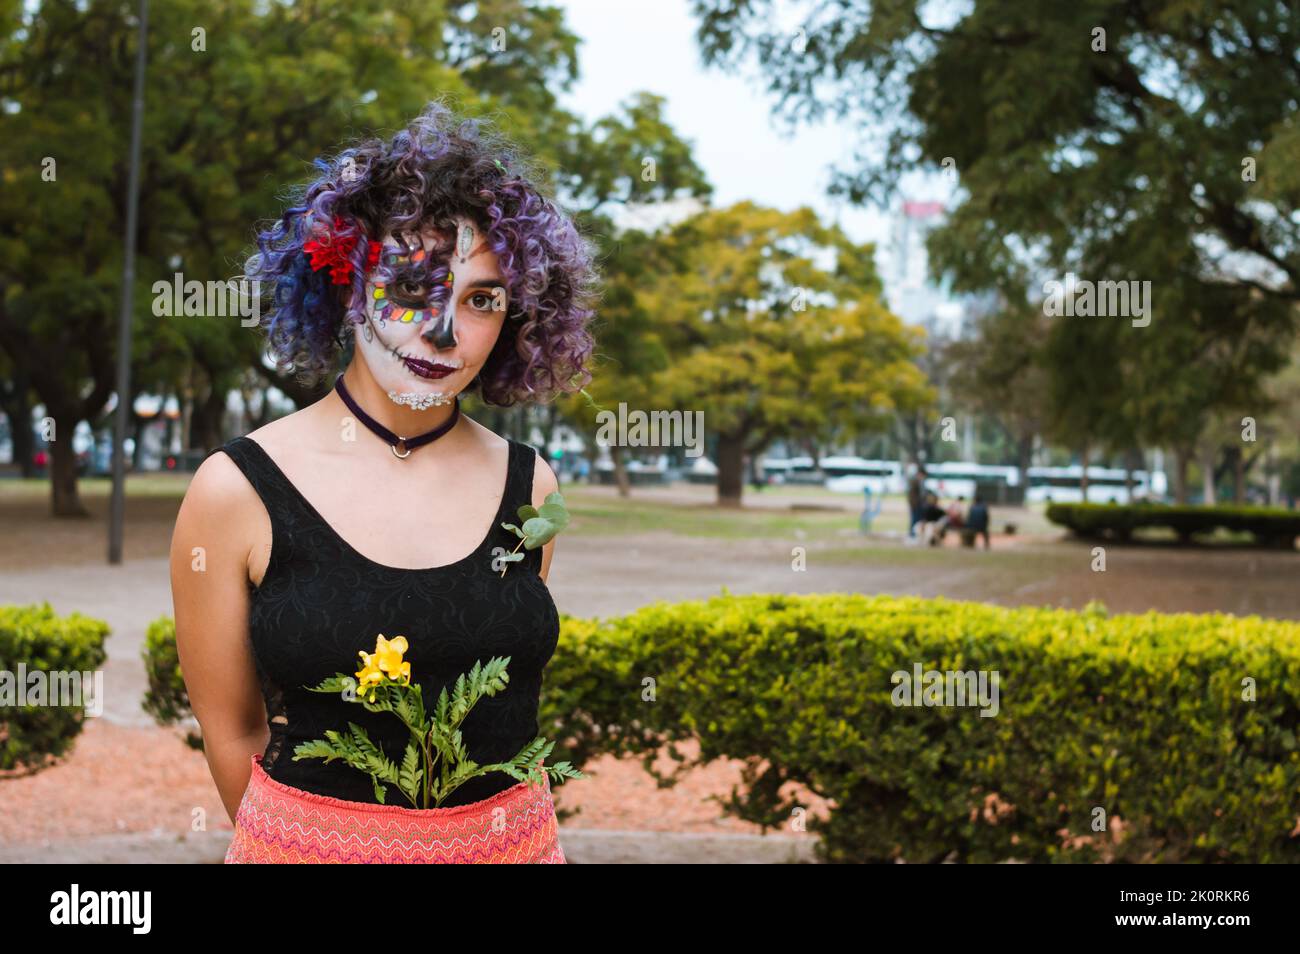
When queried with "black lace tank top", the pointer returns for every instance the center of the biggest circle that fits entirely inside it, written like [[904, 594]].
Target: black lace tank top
[[321, 601]]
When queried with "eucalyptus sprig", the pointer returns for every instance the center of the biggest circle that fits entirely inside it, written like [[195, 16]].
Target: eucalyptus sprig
[[540, 524], [436, 761]]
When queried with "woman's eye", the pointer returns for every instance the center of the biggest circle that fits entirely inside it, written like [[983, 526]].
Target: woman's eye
[[411, 294], [481, 301]]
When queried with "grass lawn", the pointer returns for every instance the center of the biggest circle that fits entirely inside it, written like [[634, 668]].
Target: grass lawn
[[675, 534]]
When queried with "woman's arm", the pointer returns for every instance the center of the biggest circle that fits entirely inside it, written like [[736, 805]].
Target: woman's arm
[[544, 482], [220, 519]]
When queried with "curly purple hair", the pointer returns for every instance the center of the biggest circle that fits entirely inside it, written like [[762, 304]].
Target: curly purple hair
[[439, 168]]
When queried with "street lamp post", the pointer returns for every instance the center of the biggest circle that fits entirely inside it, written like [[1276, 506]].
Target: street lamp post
[[117, 508]]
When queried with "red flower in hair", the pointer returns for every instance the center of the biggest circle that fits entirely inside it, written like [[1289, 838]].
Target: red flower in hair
[[334, 251], [372, 256]]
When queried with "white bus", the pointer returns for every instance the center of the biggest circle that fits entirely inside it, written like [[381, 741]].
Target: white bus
[[852, 474], [958, 478], [843, 474], [1105, 485], [789, 470]]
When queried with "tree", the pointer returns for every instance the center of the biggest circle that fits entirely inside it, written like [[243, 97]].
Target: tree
[[916, 424], [16, 403], [1000, 372], [1213, 358], [769, 342], [606, 170], [1084, 387]]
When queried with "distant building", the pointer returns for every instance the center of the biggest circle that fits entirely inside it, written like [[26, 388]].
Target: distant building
[[909, 289]]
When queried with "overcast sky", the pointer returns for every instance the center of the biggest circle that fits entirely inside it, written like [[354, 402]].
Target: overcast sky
[[632, 45]]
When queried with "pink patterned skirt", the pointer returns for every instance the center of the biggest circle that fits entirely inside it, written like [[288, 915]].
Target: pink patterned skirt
[[279, 824]]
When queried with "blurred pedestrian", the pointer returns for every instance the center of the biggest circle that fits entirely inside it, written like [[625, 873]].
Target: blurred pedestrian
[[915, 498], [977, 520], [955, 519]]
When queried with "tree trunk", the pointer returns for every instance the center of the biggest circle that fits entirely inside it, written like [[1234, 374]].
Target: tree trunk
[[1182, 459], [187, 416], [731, 469], [552, 429], [1024, 457], [18, 409], [65, 499], [169, 434], [247, 390], [621, 479], [138, 424], [263, 408], [1083, 473], [1207, 475], [205, 427], [1274, 478], [1238, 477]]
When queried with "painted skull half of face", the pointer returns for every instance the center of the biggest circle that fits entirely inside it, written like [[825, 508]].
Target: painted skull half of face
[[431, 325]]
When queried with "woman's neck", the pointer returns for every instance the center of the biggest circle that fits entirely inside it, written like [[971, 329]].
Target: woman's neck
[[399, 418]]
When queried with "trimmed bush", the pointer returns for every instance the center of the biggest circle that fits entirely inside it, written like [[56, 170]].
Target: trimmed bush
[[1271, 527], [166, 699], [1140, 717], [33, 736]]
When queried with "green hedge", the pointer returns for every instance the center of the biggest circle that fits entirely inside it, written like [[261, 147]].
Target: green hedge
[[166, 699], [33, 736], [1140, 716], [1269, 526]]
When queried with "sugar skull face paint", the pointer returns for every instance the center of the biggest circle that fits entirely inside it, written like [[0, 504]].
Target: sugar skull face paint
[[407, 297], [430, 327]]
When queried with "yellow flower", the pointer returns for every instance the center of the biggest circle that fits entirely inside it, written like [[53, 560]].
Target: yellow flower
[[370, 674], [384, 663], [389, 653]]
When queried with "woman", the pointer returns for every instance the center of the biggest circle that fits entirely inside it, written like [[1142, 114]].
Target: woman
[[440, 267]]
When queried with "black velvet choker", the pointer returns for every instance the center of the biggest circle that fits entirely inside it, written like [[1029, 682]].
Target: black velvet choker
[[391, 439]]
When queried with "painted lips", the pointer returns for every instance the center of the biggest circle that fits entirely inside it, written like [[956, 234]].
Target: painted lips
[[427, 369]]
